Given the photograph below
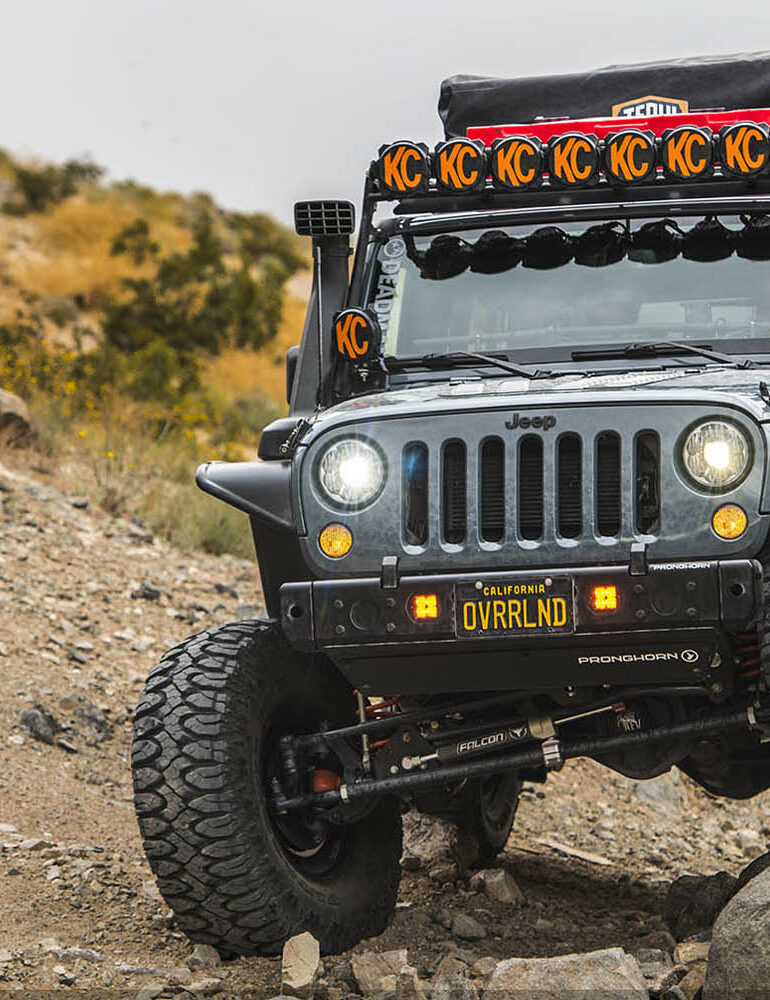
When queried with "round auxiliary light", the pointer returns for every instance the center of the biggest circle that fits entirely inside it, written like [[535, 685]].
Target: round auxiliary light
[[335, 541], [351, 473], [729, 521], [716, 455]]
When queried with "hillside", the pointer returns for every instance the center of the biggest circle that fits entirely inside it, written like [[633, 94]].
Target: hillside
[[147, 331]]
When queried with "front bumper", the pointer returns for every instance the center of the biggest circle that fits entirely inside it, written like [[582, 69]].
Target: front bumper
[[670, 622]]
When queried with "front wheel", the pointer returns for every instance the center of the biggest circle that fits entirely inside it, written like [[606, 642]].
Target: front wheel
[[206, 741]]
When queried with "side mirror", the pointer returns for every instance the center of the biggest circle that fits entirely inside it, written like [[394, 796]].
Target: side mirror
[[292, 357]]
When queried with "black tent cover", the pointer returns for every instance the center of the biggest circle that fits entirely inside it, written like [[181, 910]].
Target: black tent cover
[[706, 83]]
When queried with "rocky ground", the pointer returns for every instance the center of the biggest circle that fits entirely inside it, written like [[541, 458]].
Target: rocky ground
[[88, 605]]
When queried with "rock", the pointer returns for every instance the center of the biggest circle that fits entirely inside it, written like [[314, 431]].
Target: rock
[[443, 874], [466, 928], [750, 843], [408, 985], [757, 866], [569, 977], [204, 956], [436, 842], [299, 966], [151, 992], [450, 966], [484, 966], [693, 982], [660, 940], [441, 916], [376, 972], [7, 828], [34, 844], [694, 902], [689, 952], [147, 592], [653, 961], [666, 794], [204, 987], [17, 429], [5, 956], [455, 987], [77, 954], [498, 885], [40, 723], [739, 957], [79, 503], [65, 978]]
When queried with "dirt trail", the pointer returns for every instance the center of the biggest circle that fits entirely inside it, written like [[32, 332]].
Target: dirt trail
[[88, 605]]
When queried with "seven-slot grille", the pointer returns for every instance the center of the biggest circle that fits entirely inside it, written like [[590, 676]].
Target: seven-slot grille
[[533, 489]]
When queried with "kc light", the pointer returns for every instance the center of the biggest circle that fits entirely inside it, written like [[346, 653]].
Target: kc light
[[716, 455], [351, 473], [729, 521]]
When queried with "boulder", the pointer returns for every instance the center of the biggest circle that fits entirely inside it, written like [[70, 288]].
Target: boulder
[[757, 866], [454, 987], [693, 982], [498, 885], [408, 985], [666, 794], [690, 952], [17, 429], [610, 973], [693, 902], [739, 957], [377, 972], [466, 928], [433, 843], [299, 965]]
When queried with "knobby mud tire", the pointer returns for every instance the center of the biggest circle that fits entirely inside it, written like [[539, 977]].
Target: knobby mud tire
[[198, 758]]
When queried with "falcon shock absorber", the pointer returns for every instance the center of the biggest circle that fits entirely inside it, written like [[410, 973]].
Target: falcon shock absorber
[[541, 728]]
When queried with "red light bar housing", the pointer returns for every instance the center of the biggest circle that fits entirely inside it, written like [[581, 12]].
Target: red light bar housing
[[602, 127]]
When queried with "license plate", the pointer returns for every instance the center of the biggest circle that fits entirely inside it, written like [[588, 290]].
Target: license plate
[[532, 606]]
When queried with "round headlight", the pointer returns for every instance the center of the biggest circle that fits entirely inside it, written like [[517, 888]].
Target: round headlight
[[716, 455], [351, 473]]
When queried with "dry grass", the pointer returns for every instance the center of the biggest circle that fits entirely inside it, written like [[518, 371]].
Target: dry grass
[[71, 256], [263, 373]]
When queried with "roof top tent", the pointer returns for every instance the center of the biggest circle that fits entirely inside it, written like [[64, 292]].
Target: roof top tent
[[681, 85]]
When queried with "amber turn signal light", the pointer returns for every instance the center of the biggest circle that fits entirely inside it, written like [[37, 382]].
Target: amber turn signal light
[[604, 598], [729, 521], [335, 541], [424, 607]]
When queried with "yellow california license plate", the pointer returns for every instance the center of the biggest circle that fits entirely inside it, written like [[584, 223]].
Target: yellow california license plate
[[531, 606]]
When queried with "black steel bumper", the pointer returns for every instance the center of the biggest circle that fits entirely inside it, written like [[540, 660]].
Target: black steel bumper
[[671, 623]]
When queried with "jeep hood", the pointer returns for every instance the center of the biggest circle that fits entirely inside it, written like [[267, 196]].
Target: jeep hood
[[716, 384]]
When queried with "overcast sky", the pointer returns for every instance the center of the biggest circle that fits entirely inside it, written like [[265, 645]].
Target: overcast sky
[[265, 103]]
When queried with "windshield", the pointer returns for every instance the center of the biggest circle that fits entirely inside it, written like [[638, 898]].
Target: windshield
[[545, 292]]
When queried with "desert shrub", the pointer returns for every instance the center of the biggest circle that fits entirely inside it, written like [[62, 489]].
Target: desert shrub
[[39, 187]]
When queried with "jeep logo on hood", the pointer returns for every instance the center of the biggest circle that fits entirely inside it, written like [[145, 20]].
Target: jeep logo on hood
[[544, 423]]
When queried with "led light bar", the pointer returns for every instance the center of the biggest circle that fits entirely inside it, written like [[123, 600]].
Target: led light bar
[[677, 148]]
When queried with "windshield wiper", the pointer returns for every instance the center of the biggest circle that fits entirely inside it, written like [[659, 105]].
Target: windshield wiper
[[453, 358], [660, 349]]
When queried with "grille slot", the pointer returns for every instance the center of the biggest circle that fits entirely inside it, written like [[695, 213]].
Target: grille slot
[[454, 492], [492, 490], [608, 490], [324, 218], [647, 483], [570, 486], [531, 488], [415, 479]]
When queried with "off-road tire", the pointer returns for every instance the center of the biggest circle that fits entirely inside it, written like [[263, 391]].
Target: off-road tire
[[200, 744]]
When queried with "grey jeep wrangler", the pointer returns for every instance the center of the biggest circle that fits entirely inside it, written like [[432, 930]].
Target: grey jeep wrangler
[[519, 511]]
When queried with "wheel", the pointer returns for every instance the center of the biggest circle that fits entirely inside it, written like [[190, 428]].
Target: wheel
[[236, 875], [484, 808]]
